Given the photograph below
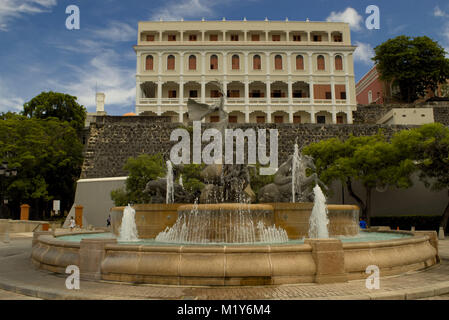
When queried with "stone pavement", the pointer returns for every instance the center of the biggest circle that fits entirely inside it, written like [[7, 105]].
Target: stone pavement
[[18, 275]]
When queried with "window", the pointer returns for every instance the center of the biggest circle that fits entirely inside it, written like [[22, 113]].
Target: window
[[171, 37], [213, 37], [257, 63], [171, 62], [213, 62], [340, 120], [276, 37], [297, 94], [256, 94], [193, 94], [235, 62], [338, 63], [232, 119], [214, 118], [278, 119], [299, 62], [321, 65], [192, 62], [370, 97], [192, 37], [321, 119], [276, 94], [278, 62], [317, 38], [296, 119], [343, 95], [172, 93], [234, 94], [296, 37], [328, 95], [150, 37], [260, 119], [234, 37], [338, 38], [255, 37], [214, 94], [149, 63]]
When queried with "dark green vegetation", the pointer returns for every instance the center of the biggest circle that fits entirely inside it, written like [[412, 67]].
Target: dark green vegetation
[[44, 145], [415, 65], [376, 162]]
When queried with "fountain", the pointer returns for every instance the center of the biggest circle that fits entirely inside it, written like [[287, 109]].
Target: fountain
[[128, 229], [291, 236], [318, 218]]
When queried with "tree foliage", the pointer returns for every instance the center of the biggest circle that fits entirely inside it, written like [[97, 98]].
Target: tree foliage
[[48, 155], [415, 64], [58, 105], [428, 146], [370, 160]]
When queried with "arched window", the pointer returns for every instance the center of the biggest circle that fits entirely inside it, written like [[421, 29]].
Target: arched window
[[235, 62], [299, 62], [149, 63], [278, 62], [321, 63], [192, 62], [257, 63], [213, 62], [338, 63], [171, 62]]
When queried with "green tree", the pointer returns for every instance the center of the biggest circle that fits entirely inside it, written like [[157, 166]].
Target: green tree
[[428, 145], [141, 170], [58, 105], [48, 155], [371, 160], [416, 65]]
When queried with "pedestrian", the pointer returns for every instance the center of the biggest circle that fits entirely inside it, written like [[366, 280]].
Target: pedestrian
[[108, 221], [362, 223], [72, 224]]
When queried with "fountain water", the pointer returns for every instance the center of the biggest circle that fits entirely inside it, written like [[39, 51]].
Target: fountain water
[[128, 229], [170, 195], [296, 183], [224, 223], [318, 223]]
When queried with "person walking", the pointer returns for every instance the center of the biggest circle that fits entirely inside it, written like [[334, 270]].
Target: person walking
[[72, 224]]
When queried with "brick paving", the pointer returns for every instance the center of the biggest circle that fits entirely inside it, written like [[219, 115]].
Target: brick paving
[[17, 275]]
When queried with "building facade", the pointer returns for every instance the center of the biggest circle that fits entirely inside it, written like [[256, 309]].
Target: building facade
[[272, 71], [370, 89]]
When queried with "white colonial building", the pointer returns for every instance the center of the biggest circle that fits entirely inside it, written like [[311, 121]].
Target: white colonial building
[[272, 71]]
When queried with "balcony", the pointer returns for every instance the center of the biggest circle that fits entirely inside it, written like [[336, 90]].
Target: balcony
[[240, 101]]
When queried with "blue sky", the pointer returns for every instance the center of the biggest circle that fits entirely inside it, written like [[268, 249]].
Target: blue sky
[[38, 53]]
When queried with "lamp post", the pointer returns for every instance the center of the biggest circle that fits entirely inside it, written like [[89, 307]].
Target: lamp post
[[5, 173]]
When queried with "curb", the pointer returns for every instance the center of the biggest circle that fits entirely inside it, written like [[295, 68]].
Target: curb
[[403, 294]]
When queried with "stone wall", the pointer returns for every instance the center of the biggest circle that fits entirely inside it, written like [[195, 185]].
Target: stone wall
[[370, 114], [113, 140]]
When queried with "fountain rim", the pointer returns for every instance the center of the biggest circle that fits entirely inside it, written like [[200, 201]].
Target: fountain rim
[[225, 206]]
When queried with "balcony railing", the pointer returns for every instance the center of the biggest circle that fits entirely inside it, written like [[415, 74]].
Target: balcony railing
[[171, 101]]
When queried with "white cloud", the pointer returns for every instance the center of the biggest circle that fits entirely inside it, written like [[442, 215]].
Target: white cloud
[[105, 73], [176, 10], [350, 15], [13, 9], [8, 102], [437, 12], [363, 53], [117, 31]]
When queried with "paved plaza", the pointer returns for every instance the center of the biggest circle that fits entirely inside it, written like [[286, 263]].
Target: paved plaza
[[20, 280]]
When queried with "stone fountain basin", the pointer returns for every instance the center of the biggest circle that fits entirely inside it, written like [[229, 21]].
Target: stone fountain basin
[[151, 219], [316, 260]]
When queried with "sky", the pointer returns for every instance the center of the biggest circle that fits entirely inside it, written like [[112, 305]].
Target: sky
[[38, 53]]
